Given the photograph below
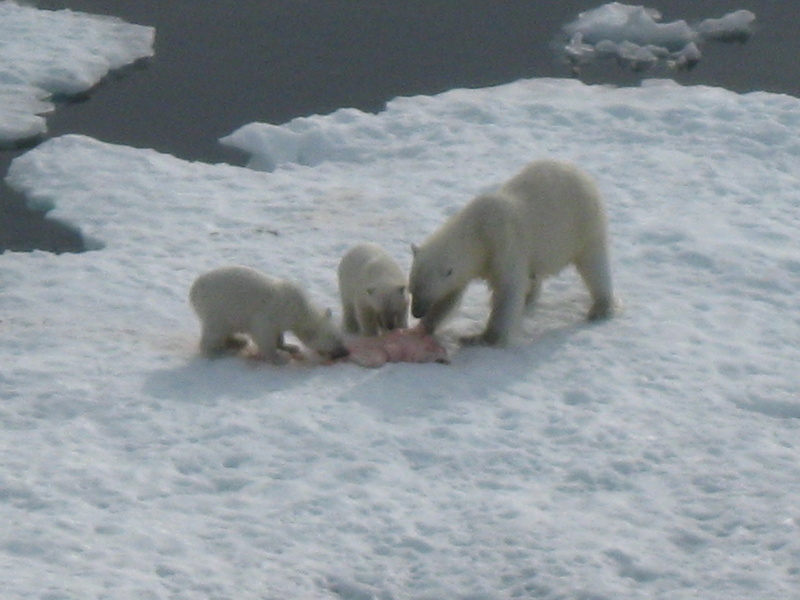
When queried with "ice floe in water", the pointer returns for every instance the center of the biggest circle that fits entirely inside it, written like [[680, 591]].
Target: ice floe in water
[[634, 37], [46, 54], [651, 456]]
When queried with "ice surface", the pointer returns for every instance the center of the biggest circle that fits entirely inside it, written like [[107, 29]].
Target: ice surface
[[650, 456], [56, 53], [634, 36]]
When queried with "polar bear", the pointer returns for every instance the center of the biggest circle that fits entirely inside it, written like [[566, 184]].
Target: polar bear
[[374, 291], [548, 216], [234, 301]]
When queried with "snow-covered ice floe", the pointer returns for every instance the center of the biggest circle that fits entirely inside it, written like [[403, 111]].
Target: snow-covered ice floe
[[634, 37], [46, 54], [650, 456]]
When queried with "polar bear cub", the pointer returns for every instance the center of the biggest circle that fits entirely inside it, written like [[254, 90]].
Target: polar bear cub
[[234, 301], [548, 216], [374, 291]]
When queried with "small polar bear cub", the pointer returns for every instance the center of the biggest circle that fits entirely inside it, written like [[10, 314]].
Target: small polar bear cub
[[374, 291], [234, 301], [548, 216]]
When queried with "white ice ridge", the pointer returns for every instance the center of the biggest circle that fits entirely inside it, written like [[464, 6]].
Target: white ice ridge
[[654, 456], [635, 37], [57, 53]]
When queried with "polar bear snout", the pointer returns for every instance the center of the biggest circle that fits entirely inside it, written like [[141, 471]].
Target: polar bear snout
[[424, 300], [419, 307]]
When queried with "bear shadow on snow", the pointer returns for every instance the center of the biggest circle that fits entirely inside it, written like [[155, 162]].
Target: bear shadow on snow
[[397, 389], [204, 381], [407, 390]]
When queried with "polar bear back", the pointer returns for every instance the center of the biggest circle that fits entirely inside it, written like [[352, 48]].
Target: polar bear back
[[554, 211], [367, 265], [235, 295]]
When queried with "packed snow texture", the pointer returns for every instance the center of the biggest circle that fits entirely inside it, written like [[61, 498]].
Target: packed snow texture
[[46, 54], [651, 456], [634, 37]]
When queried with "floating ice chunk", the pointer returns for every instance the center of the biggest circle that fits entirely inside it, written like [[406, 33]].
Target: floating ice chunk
[[577, 51], [57, 53], [634, 24], [637, 58], [21, 110], [686, 59], [733, 27], [634, 37], [302, 141]]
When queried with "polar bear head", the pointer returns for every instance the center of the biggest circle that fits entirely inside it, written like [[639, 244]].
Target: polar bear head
[[390, 305], [321, 333], [438, 274]]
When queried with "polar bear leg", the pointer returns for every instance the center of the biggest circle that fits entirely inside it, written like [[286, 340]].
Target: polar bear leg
[[403, 322], [350, 318], [509, 292], [508, 302], [269, 342], [534, 291], [439, 311], [290, 348], [214, 338], [593, 267], [368, 321]]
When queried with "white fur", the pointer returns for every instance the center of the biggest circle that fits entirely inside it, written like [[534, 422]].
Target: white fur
[[374, 291], [548, 216], [232, 301]]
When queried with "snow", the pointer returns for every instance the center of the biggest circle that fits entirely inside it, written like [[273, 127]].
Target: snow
[[47, 54], [634, 36], [651, 456]]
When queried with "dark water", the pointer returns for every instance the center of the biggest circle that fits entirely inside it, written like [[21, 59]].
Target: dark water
[[220, 64]]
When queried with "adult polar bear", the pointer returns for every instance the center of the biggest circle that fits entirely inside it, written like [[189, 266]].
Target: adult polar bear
[[548, 216]]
